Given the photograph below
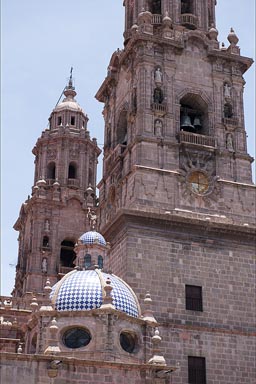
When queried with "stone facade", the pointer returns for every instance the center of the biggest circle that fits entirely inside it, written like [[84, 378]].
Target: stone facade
[[176, 206]]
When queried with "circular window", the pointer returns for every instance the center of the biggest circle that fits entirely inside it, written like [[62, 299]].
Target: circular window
[[76, 338], [199, 182], [128, 341]]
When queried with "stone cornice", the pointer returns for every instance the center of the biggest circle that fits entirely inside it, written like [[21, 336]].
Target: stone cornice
[[86, 363], [181, 219]]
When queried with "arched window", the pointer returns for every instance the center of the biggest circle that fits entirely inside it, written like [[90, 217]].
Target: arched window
[[122, 128], [45, 242], [51, 171], [100, 261], [87, 260], [72, 171], [67, 254], [194, 114], [59, 120]]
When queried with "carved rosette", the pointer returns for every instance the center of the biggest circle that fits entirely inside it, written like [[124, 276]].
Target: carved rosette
[[197, 178]]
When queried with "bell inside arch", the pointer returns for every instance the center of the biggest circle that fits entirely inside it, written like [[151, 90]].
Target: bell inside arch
[[197, 123], [186, 124]]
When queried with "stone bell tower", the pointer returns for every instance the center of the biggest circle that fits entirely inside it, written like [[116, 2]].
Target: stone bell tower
[[177, 201], [51, 220]]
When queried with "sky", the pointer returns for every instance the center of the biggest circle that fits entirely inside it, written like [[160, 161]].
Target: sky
[[40, 41]]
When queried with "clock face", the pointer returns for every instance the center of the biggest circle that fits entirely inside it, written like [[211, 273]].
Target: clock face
[[199, 182]]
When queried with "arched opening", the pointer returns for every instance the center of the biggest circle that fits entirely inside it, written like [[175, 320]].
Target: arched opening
[[45, 242], [59, 120], [51, 174], [194, 114], [154, 6], [122, 128], [100, 262], [87, 260], [67, 254], [72, 171]]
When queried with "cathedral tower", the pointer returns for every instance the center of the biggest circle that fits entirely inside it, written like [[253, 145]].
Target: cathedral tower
[[51, 220], [177, 201]]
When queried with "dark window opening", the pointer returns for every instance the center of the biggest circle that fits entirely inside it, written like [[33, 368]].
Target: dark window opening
[[76, 338], [72, 171], [45, 241], [158, 96], [228, 112], [59, 120], [87, 261], [90, 177], [186, 6], [128, 342], [67, 254], [194, 114], [155, 7], [51, 171], [100, 261], [194, 301], [122, 128], [72, 120], [196, 370]]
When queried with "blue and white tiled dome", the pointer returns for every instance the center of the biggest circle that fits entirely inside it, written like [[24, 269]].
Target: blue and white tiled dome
[[92, 237], [83, 290]]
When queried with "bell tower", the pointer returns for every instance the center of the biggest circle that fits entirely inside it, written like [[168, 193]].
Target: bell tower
[[51, 220], [173, 108], [177, 201]]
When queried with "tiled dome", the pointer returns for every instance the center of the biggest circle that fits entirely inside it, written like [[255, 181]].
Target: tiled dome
[[83, 290], [92, 237]]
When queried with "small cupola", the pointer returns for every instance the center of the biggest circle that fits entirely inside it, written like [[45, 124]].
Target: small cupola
[[91, 248], [68, 113]]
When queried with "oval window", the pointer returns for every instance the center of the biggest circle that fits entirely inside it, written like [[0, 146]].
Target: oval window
[[128, 341], [76, 338]]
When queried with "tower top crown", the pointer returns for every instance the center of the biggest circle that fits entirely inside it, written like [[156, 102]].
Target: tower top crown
[[189, 14], [68, 112], [69, 90]]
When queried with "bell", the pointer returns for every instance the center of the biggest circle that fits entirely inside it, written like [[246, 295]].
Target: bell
[[197, 123], [186, 124]]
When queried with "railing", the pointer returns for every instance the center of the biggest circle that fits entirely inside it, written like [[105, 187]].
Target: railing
[[194, 138], [230, 121], [73, 182], [161, 108], [156, 19], [50, 181], [189, 20]]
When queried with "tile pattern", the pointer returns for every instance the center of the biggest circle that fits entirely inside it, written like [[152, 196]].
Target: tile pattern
[[82, 290]]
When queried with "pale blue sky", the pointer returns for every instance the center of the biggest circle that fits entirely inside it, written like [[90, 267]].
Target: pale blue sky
[[41, 40]]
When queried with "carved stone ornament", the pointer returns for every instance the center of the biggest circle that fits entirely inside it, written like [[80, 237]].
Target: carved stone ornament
[[73, 152], [51, 153], [197, 178]]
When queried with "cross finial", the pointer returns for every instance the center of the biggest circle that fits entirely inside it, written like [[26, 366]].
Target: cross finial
[[70, 83]]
